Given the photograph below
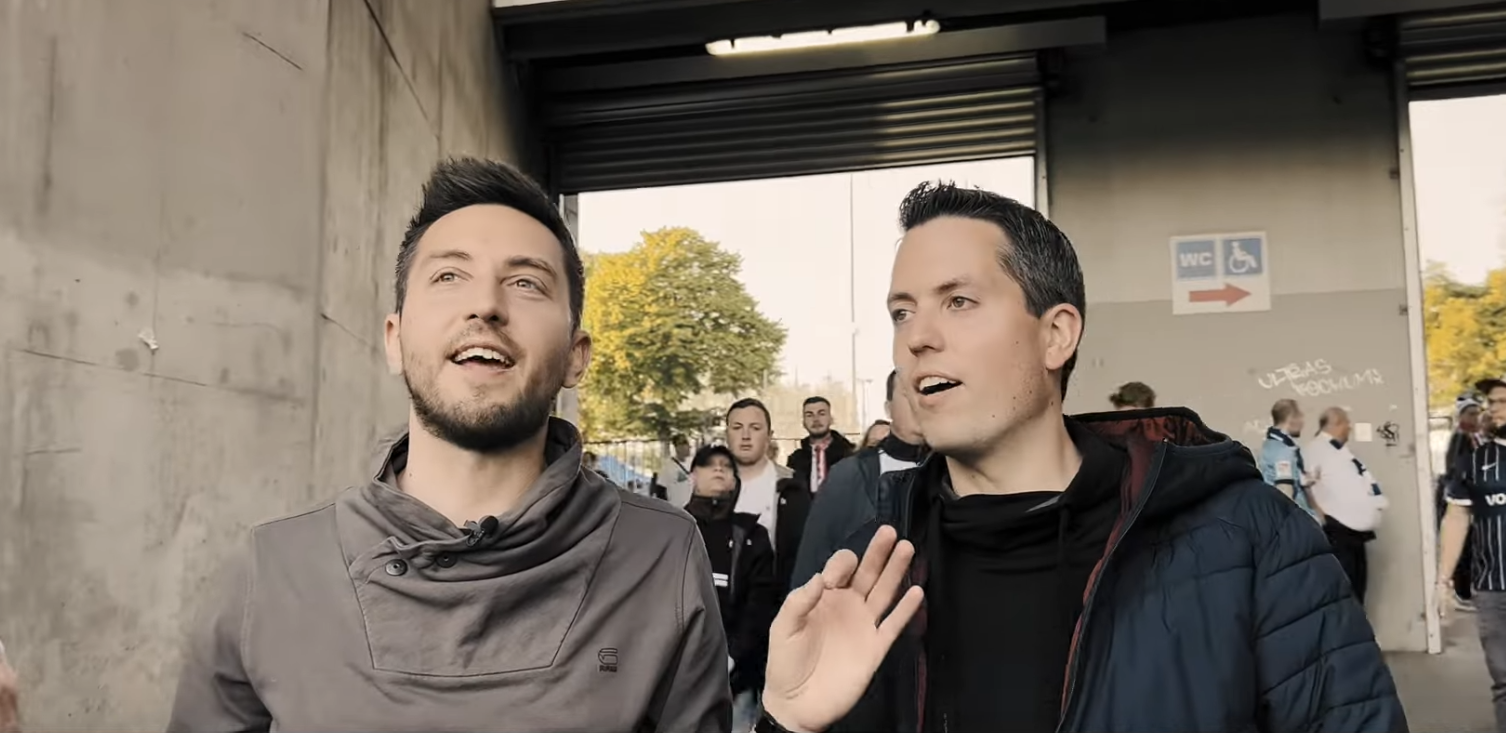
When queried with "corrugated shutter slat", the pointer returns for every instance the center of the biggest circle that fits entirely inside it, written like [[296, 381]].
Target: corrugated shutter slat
[[1454, 48], [794, 124]]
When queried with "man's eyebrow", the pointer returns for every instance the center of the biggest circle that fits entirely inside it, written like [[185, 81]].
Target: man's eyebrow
[[524, 261], [942, 289], [448, 254]]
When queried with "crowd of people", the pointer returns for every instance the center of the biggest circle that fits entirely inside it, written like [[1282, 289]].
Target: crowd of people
[[982, 562]]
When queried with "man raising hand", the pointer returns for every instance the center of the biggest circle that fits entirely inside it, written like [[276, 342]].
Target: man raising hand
[[836, 632]]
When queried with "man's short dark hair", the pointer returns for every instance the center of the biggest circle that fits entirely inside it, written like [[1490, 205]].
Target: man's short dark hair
[[889, 386], [1283, 410], [1134, 394], [461, 182], [817, 400], [1039, 257], [747, 402]]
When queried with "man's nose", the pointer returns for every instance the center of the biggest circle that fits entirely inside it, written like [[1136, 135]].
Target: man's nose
[[921, 333], [489, 304]]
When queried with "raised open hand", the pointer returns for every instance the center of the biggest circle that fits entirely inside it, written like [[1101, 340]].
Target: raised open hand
[[832, 633]]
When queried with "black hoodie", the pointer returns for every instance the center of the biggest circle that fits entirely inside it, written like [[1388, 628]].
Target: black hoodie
[[743, 571], [1012, 570]]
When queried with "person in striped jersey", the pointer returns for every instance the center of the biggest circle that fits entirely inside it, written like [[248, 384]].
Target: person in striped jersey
[[1477, 501]]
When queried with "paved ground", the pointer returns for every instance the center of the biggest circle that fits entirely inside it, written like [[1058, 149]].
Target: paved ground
[[1449, 692]]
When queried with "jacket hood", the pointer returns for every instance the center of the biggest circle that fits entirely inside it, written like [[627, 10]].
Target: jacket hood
[[562, 507], [1188, 460]]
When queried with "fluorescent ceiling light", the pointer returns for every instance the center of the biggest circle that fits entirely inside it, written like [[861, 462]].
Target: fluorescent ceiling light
[[816, 39]]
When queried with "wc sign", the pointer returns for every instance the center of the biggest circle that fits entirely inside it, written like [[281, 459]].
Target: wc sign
[[1220, 273]]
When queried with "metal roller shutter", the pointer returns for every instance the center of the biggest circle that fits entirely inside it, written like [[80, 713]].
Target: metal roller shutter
[[794, 124], [1453, 48]]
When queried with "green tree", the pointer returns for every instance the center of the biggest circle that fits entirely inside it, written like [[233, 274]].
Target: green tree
[[670, 320], [1465, 327]]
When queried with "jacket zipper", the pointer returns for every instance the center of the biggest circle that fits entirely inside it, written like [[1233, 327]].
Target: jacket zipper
[[905, 496], [1074, 660]]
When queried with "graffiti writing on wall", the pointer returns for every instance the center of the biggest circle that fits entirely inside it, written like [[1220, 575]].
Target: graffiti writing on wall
[[1317, 377], [1391, 433]]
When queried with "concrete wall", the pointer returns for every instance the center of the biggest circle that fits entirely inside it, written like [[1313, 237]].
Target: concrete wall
[[199, 207], [1269, 125]]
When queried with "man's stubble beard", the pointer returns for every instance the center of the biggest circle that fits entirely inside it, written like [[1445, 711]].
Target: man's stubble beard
[[493, 428]]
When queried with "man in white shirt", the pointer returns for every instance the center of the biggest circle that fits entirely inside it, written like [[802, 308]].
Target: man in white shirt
[[774, 493], [1351, 498], [674, 476]]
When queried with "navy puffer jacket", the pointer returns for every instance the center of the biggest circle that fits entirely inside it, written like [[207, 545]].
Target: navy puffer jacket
[[1217, 606]]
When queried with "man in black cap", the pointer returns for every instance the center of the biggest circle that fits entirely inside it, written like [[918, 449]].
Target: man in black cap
[[1476, 496]]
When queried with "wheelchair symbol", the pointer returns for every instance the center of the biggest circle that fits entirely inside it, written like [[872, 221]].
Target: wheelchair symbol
[[1241, 262], [1243, 257]]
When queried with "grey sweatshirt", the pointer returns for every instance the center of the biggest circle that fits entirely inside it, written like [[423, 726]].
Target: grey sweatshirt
[[586, 608]]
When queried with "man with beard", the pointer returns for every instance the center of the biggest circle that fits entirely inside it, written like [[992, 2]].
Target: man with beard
[[1124, 571], [481, 579], [822, 447], [849, 491]]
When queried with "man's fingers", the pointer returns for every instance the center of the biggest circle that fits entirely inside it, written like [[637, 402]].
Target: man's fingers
[[875, 559], [839, 569], [797, 607], [894, 624], [893, 576]]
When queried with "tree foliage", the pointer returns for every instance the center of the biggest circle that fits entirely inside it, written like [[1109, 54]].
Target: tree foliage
[[670, 320], [1465, 330]]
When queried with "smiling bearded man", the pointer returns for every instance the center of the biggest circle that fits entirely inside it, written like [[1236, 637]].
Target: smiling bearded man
[[481, 580]]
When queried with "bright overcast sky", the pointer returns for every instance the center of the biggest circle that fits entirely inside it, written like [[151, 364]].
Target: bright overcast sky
[[793, 235]]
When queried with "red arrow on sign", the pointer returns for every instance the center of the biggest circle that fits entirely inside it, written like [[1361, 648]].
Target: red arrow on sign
[[1229, 294]]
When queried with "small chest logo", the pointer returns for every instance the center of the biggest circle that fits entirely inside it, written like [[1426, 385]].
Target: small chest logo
[[1495, 499], [608, 660]]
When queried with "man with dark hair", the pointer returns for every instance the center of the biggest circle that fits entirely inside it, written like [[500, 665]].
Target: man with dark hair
[[1477, 502], [851, 482], [1462, 443], [1115, 572], [771, 492], [743, 570], [481, 575], [822, 447], [1133, 396]]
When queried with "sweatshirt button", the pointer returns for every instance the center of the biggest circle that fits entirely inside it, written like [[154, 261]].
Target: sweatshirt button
[[445, 560], [397, 567]]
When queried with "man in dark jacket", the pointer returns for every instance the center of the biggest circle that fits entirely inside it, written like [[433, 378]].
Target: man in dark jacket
[[1115, 572], [822, 447], [742, 569]]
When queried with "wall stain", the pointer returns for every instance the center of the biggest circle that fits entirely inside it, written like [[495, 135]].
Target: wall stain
[[128, 359]]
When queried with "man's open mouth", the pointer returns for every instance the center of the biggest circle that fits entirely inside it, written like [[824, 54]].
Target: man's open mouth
[[935, 385], [483, 355]]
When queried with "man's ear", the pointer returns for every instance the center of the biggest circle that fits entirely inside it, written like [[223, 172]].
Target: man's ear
[[580, 359], [392, 340], [1061, 332]]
